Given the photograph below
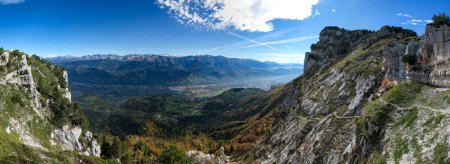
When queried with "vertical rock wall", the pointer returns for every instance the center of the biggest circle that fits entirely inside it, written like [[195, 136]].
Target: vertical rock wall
[[432, 53]]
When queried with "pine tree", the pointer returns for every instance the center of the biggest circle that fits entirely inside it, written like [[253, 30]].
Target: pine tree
[[441, 19], [106, 149], [117, 148]]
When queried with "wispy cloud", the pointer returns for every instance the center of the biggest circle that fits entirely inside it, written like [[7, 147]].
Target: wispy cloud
[[316, 13], [253, 41], [244, 15], [250, 43], [10, 2], [284, 41], [404, 15], [416, 22]]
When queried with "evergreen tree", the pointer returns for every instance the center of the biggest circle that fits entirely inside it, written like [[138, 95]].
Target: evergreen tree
[[106, 149], [173, 155], [117, 148], [441, 19]]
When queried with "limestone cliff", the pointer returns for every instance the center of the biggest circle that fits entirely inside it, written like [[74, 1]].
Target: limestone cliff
[[429, 58], [36, 111], [355, 105]]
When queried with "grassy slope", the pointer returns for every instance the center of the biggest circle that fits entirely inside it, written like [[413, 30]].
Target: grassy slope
[[413, 129], [15, 104]]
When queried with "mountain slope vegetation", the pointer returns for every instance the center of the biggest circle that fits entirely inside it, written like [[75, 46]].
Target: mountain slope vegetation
[[35, 109], [113, 77]]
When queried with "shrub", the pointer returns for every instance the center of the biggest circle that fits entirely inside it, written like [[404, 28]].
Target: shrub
[[173, 155], [404, 93], [409, 119], [401, 147], [441, 19], [18, 100], [106, 152], [410, 59]]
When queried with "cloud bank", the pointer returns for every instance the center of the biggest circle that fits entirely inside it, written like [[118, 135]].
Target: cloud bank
[[10, 2], [244, 15]]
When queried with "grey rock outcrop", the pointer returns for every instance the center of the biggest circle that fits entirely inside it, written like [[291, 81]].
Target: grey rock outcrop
[[334, 44], [200, 157], [69, 139], [67, 93], [432, 53]]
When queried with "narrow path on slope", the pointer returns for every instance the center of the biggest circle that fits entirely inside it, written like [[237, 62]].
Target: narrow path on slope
[[322, 118], [344, 117], [445, 111]]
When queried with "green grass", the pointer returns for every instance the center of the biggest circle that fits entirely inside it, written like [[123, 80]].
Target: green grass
[[434, 121], [375, 113], [401, 147], [409, 119], [440, 153], [15, 103], [417, 150], [404, 93], [364, 60]]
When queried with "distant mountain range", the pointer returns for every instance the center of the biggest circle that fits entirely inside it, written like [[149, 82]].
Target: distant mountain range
[[95, 74]]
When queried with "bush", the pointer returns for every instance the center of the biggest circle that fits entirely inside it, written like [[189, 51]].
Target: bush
[[116, 150], [18, 100], [410, 59], [441, 19], [173, 155]]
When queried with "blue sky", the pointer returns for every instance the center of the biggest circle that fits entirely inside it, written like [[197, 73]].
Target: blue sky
[[266, 30]]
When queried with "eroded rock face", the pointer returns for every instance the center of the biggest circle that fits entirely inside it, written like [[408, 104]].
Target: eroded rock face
[[67, 93], [334, 44], [315, 132], [69, 139], [319, 126], [433, 58]]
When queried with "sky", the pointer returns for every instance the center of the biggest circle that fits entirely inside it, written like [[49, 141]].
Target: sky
[[265, 30]]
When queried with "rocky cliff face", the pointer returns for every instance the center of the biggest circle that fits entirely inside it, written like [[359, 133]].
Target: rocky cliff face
[[33, 98], [348, 107], [69, 139], [334, 44], [426, 59]]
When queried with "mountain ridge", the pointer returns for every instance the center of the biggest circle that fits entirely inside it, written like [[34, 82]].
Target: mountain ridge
[[193, 76], [58, 59]]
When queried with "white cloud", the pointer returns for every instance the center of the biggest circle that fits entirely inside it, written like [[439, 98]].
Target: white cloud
[[416, 22], [404, 15], [9, 2], [333, 10], [244, 15]]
